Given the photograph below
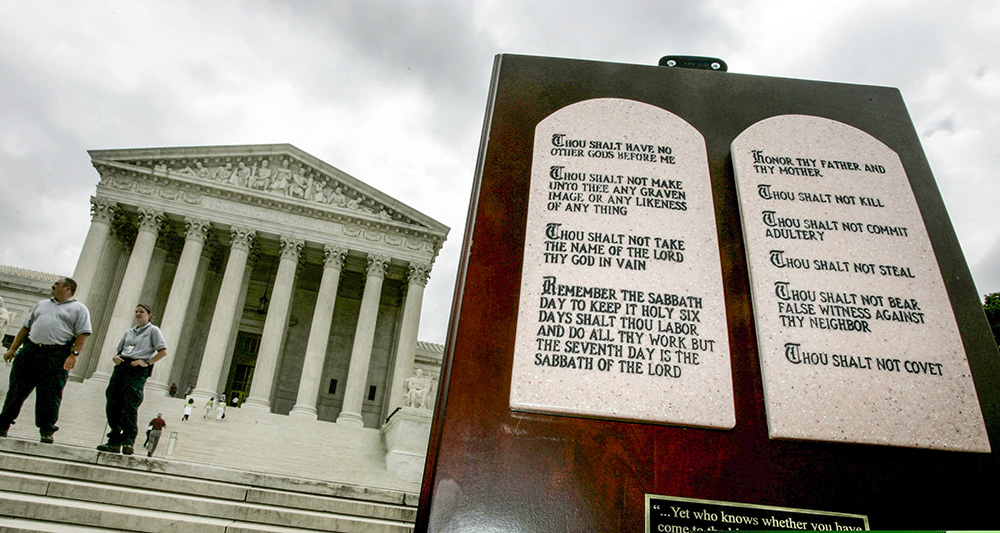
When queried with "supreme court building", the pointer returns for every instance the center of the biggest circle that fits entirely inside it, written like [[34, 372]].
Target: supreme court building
[[274, 276]]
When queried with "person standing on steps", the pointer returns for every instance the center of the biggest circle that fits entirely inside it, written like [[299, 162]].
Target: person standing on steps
[[50, 341], [188, 408], [157, 424], [139, 349], [208, 407]]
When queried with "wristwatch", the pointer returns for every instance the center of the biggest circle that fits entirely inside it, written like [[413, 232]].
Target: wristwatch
[[75, 352]]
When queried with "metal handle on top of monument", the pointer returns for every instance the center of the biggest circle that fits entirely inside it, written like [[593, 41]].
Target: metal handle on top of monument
[[698, 62]]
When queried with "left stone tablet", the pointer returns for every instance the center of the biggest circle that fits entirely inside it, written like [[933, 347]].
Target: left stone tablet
[[621, 312]]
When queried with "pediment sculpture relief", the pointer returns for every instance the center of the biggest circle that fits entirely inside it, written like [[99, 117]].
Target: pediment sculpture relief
[[281, 176]]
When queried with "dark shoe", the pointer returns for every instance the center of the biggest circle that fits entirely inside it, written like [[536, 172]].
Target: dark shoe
[[3, 431], [110, 448], [47, 439], [150, 454], [127, 449]]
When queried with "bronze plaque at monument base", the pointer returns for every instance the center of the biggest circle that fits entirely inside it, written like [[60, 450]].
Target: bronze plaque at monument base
[[734, 297], [667, 514]]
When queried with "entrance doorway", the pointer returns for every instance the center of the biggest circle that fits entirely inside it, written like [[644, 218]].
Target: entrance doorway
[[241, 369]]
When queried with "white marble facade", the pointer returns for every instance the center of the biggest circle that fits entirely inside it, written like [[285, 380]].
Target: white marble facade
[[20, 290], [273, 275]]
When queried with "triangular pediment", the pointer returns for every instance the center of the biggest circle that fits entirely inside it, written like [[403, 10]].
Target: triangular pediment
[[274, 174]]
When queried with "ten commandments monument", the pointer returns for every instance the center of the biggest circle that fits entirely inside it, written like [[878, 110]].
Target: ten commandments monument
[[706, 300]]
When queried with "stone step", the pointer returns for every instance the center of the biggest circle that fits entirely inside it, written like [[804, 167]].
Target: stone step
[[31, 457], [78, 464], [11, 464], [200, 512], [41, 513], [42, 492], [265, 506], [33, 507], [251, 440], [24, 525]]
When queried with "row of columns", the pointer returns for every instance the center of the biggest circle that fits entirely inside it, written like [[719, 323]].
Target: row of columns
[[226, 314]]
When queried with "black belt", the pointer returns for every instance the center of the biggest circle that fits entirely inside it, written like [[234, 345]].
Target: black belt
[[50, 348], [127, 364]]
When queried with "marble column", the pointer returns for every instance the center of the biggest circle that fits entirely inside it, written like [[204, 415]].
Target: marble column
[[225, 314], [118, 256], [176, 309], [101, 211], [319, 334], [364, 337], [273, 335], [154, 275], [123, 313], [183, 367], [407, 345], [103, 290]]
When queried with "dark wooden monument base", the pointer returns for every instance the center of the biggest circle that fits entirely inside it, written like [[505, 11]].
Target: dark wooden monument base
[[493, 469]]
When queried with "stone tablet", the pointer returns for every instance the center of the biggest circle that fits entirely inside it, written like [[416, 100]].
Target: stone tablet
[[857, 337], [621, 311]]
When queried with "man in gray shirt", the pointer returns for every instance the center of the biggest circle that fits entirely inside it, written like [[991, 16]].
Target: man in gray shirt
[[52, 336]]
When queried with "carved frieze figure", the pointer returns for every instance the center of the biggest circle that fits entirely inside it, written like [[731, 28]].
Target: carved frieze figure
[[260, 179], [118, 182], [148, 189], [282, 178], [338, 198], [418, 390], [327, 194], [188, 171], [318, 194], [240, 176], [224, 173], [297, 188], [6, 317], [200, 170]]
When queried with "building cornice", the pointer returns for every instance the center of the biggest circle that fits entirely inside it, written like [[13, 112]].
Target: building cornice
[[198, 178]]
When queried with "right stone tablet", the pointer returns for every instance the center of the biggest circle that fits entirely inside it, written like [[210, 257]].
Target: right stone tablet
[[856, 334]]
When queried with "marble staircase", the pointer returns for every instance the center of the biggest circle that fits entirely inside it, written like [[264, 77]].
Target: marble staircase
[[322, 467], [66, 488]]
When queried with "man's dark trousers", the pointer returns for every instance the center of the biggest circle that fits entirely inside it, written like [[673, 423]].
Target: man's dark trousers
[[124, 395], [37, 368]]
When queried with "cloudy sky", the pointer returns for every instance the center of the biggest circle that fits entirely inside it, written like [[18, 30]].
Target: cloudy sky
[[394, 93]]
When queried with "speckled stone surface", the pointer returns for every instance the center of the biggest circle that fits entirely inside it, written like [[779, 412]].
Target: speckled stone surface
[[857, 337], [621, 312]]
